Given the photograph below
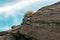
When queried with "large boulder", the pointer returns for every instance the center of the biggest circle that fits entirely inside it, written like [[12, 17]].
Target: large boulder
[[44, 24]]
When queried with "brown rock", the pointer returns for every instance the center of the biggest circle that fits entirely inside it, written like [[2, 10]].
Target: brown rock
[[44, 24]]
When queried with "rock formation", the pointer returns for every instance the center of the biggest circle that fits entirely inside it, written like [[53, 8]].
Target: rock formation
[[42, 25]]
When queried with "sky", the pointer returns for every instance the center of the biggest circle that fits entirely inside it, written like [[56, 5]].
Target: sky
[[12, 11]]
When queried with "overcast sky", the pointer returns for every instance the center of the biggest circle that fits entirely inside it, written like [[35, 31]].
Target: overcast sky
[[12, 11]]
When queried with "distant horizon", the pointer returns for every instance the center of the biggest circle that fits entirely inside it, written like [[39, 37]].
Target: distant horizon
[[12, 11]]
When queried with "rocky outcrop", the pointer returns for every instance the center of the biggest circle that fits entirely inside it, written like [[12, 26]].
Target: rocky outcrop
[[42, 25]]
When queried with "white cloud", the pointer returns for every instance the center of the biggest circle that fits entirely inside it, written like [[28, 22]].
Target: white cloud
[[19, 5], [9, 10]]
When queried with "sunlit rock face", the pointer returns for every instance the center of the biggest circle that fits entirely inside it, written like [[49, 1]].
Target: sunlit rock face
[[42, 25]]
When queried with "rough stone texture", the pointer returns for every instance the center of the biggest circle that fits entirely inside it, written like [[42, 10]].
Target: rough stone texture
[[42, 25]]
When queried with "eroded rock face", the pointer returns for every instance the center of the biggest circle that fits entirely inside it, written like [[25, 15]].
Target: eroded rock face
[[7, 37], [42, 25]]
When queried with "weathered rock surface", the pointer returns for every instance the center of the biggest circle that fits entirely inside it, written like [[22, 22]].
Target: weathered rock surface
[[42, 25]]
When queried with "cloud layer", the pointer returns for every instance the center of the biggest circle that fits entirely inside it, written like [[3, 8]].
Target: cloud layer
[[9, 10]]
